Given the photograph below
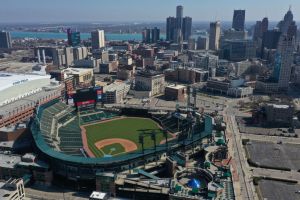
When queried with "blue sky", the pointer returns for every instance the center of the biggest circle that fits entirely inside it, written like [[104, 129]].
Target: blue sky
[[140, 10]]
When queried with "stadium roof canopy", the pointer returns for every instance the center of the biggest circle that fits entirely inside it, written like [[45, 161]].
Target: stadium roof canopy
[[17, 86]]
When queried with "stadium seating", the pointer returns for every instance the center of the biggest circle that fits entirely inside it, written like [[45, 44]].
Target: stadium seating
[[96, 116], [70, 138], [60, 126]]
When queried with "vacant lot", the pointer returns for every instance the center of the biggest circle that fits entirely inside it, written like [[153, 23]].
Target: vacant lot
[[276, 190], [275, 155]]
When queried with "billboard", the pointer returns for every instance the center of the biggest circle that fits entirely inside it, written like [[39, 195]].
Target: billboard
[[99, 93], [70, 97]]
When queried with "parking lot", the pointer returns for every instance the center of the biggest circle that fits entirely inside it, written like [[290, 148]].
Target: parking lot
[[275, 190], [244, 127], [274, 155]]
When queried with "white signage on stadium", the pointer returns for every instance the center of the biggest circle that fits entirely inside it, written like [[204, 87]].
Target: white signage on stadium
[[19, 82]]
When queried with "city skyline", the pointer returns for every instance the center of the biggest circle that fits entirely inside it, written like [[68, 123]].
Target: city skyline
[[101, 11]]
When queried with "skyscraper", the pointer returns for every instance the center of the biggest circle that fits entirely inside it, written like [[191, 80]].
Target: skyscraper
[[147, 35], [284, 61], [5, 40], [179, 17], [171, 26], [257, 30], [214, 35], [265, 25], [73, 38], [238, 22], [179, 23], [284, 24], [186, 28], [202, 43], [98, 39], [270, 40], [288, 26], [179, 28], [155, 35]]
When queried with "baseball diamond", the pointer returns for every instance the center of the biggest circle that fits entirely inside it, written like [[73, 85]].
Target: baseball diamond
[[120, 135]]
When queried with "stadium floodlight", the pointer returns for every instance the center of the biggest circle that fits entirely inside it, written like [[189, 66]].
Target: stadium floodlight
[[153, 137], [141, 141], [165, 133]]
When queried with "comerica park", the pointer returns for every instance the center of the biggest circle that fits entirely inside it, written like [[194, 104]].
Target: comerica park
[[149, 100]]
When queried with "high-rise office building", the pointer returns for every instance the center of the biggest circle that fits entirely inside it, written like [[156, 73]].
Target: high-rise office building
[[73, 38], [98, 39], [155, 35], [260, 28], [186, 28], [265, 25], [5, 40], [284, 24], [292, 30], [238, 22], [202, 43], [214, 35], [237, 50], [179, 23], [179, 17], [257, 30], [192, 44], [179, 28], [270, 39], [171, 26], [288, 26], [147, 35], [284, 61]]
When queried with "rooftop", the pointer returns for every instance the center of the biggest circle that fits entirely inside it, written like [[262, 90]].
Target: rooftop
[[13, 127], [8, 80], [9, 161], [280, 106], [176, 86], [77, 70], [8, 108], [148, 73]]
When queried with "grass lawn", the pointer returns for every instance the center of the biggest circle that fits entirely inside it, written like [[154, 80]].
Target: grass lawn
[[126, 128], [113, 149]]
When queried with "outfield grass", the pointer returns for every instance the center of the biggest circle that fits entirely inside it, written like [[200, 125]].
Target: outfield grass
[[126, 128]]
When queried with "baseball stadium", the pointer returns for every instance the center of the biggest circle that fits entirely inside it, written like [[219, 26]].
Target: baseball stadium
[[80, 142]]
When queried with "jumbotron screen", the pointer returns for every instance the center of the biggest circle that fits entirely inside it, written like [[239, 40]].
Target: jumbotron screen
[[84, 97], [87, 96]]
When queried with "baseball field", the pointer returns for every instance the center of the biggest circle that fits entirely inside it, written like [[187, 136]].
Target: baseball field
[[121, 135]]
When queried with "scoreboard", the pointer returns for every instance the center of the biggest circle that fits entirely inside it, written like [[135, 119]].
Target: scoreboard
[[88, 96]]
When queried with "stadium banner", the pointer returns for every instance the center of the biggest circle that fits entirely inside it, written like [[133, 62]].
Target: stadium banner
[[70, 98], [84, 103]]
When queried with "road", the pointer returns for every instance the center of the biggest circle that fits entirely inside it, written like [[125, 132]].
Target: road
[[244, 173], [51, 193]]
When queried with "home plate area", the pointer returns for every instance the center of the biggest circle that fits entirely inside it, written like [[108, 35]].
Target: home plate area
[[115, 146]]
